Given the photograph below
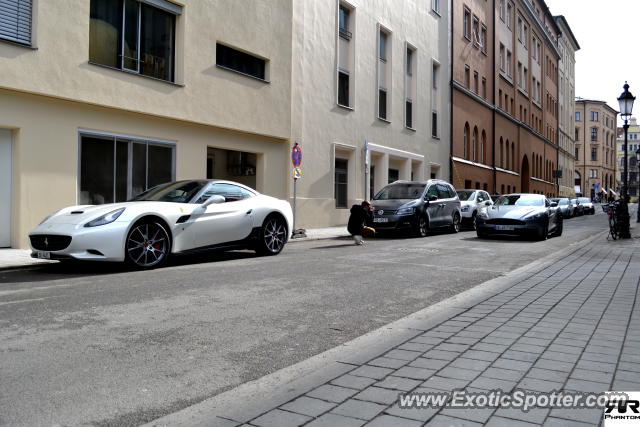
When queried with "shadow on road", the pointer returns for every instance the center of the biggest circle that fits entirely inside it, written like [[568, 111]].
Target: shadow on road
[[74, 269]]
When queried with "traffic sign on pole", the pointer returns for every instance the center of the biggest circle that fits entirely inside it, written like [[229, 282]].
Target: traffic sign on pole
[[296, 155]]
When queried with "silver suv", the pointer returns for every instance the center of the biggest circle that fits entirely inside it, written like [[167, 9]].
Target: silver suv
[[418, 206]]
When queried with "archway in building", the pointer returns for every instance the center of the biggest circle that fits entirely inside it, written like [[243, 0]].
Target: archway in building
[[525, 176]]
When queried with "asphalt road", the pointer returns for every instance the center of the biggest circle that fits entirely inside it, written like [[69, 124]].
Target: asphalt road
[[99, 345]]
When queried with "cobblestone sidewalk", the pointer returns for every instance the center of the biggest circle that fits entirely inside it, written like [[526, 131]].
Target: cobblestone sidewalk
[[570, 323]]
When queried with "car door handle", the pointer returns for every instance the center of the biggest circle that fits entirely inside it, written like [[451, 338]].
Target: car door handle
[[249, 211]]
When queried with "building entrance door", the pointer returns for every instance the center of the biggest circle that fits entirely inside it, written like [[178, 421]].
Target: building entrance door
[[5, 188], [524, 175]]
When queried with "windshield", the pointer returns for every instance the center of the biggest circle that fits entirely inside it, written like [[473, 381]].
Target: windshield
[[561, 201], [176, 192], [574, 201], [465, 195], [400, 191], [584, 200], [520, 200]]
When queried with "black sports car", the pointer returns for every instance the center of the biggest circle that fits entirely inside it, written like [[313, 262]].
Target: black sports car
[[520, 214]]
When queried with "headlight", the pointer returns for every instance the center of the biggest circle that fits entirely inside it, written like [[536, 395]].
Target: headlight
[[405, 211], [465, 208], [483, 214], [106, 218], [536, 216]]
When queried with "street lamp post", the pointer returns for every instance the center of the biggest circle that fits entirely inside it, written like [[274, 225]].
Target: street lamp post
[[626, 105], [638, 178]]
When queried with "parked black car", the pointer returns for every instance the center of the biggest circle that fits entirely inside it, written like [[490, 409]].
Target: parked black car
[[520, 214], [418, 206]]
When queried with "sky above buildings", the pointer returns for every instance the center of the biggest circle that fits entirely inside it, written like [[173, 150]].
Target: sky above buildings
[[607, 49]]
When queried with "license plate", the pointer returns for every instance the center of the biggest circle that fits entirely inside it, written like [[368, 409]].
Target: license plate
[[380, 219], [505, 227], [43, 255]]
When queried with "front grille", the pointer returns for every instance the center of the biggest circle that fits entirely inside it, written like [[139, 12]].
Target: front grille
[[384, 211], [49, 242], [505, 221]]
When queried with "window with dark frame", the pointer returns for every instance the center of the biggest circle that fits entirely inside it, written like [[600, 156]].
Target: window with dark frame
[[244, 63], [594, 153], [594, 134], [341, 182], [434, 124], [133, 36], [409, 113], [344, 25], [382, 104], [343, 88], [382, 48], [466, 23]]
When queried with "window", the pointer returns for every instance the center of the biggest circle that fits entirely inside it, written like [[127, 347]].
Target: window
[[577, 116], [509, 13], [594, 134], [435, 5], [134, 36], [594, 116], [577, 152], [508, 63], [341, 182], [114, 169], [343, 88], [344, 24], [525, 36], [501, 9], [434, 124], [382, 104], [408, 113], [465, 141], [525, 80], [474, 145], [483, 39], [467, 77], [519, 29], [466, 23], [434, 75], [519, 74], [232, 59], [594, 153], [382, 49], [476, 31], [593, 173], [475, 82], [484, 87], [15, 21], [501, 57], [409, 61], [577, 136]]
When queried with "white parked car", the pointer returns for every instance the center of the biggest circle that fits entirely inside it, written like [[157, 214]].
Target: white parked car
[[473, 201], [170, 218]]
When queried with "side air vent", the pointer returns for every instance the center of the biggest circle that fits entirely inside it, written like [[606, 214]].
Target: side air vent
[[183, 218], [76, 212]]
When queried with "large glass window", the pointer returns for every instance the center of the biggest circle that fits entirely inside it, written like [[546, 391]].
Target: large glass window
[[115, 169], [133, 36]]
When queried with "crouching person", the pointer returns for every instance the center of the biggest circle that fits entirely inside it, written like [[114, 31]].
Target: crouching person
[[360, 222]]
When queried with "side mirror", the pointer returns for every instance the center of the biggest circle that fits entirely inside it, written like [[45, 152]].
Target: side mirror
[[216, 198], [554, 204], [488, 203], [432, 198]]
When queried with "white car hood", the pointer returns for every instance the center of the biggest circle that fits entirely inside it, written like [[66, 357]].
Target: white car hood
[[76, 215]]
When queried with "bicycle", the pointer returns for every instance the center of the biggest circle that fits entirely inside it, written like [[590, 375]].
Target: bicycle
[[611, 209]]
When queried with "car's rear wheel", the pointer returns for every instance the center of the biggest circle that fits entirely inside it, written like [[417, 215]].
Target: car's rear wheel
[[422, 227], [147, 245], [455, 223], [273, 236]]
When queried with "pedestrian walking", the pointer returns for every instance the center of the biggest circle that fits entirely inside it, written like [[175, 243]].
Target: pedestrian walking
[[360, 222]]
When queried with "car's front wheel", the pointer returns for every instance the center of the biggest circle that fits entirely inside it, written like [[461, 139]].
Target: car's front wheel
[[473, 220], [147, 245], [543, 232], [273, 236], [422, 227]]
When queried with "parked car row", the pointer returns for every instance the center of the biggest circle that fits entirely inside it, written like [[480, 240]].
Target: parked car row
[[575, 207]]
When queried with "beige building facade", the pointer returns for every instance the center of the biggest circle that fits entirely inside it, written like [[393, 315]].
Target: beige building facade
[[104, 98], [567, 45], [633, 139], [595, 148]]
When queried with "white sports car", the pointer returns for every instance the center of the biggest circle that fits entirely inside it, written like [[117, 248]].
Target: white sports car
[[174, 217]]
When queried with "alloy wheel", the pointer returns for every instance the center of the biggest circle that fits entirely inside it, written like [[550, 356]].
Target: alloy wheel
[[274, 235], [147, 245]]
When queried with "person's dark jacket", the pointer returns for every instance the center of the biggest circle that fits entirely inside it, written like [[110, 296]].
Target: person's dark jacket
[[359, 218]]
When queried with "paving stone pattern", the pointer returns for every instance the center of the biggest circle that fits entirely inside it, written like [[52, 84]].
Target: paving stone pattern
[[570, 324]]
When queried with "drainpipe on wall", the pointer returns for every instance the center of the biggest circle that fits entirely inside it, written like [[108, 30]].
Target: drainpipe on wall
[[584, 147], [493, 110], [450, 35]]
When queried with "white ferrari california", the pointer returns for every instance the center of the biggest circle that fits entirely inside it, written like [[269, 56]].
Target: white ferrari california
[[175, 217]]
